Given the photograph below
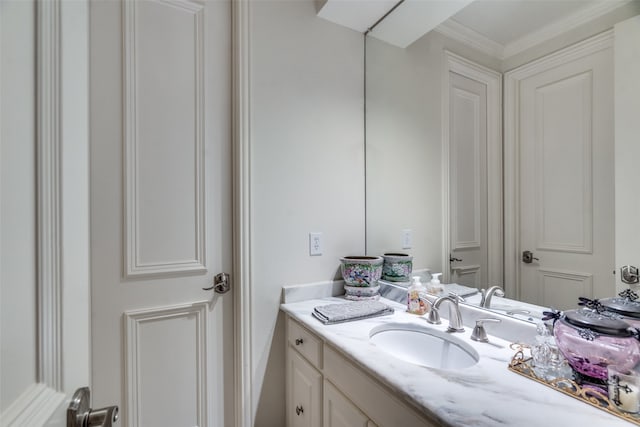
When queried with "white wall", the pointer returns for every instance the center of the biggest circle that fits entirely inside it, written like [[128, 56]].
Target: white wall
[[307, 169], [627, 151]]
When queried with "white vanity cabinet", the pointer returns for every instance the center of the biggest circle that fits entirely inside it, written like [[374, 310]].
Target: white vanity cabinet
[[324, 388], [339, 411], [304, 392], [304, 380]]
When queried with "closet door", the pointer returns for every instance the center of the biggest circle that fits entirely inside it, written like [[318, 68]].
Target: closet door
[[561, 127], [161, 210]]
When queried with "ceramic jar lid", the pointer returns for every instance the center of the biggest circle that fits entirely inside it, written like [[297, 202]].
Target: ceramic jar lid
[[597, 322]]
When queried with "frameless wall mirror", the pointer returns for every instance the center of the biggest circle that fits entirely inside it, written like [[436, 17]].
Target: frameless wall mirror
[[436, 183]]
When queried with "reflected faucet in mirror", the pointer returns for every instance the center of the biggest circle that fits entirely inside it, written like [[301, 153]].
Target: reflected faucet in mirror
[[487, 294]]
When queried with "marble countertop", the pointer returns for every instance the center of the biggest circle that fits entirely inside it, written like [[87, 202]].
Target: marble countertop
[[486, 394]]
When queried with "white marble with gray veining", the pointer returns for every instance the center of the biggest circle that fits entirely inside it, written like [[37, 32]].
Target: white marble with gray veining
[[486, 394]]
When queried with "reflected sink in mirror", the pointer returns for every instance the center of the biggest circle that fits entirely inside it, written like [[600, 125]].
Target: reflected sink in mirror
[[424, 346], [397, 291]]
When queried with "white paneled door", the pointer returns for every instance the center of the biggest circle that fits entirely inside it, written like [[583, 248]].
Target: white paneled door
[[468, 180], [562, 126], [162, 346], [44, 213], [472, 110]]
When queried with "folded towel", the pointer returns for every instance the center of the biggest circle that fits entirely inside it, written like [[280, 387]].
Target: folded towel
[[338, 313]]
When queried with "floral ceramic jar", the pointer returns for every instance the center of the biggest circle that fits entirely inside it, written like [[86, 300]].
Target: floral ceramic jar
[[397, 267], [361, 270], [361, 275]]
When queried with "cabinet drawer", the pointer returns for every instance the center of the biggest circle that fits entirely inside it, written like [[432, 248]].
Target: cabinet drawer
[[305, 343]]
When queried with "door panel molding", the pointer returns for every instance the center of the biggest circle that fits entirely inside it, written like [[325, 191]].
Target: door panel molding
[[550, 100], [146, 137], [493, 81], [459, 238], [468, 270], [136, 323], [512, 81], [580, 280]]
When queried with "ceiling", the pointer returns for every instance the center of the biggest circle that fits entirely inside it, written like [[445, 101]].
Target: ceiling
[[500, 28]]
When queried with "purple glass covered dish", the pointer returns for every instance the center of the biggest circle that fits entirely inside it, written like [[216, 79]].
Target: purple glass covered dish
[[591, 340], [624, 306]]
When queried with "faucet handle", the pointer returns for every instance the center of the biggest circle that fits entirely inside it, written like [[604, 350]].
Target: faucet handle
[[434, 316], [456, 297], [479, 333]]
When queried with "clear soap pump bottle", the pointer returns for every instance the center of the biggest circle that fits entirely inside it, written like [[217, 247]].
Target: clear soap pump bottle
[[415, 295], [435, 287]]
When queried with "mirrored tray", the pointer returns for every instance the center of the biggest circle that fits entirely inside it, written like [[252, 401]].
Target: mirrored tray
[[521, 364]]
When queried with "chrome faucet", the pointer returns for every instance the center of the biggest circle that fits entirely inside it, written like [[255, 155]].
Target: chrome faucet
[[487, 294], [455, 318]]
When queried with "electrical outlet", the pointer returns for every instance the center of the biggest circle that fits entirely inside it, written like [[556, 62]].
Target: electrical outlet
[[315, 244], [406, 239]]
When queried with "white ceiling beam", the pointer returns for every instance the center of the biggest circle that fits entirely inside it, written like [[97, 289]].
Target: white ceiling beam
[[358, 15], [414, 18]]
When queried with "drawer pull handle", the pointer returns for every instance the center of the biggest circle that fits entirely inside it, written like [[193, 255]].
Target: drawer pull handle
[[299, 410], [299, 341]]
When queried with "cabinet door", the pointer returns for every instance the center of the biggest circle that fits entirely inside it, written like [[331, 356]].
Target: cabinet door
[[339, 411], [304, 392]]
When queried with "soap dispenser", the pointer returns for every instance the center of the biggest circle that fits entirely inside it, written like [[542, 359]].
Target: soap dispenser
[[415, 302], [435, 287]]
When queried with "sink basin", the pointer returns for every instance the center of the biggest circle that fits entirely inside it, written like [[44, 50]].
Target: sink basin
[[424, 346]]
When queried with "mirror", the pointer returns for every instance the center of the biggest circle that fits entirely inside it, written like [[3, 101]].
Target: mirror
[[405, 163]]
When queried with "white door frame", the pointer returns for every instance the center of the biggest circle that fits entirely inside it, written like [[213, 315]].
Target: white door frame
[[493, 81], [242, 214], [512, 146], [62, 214]]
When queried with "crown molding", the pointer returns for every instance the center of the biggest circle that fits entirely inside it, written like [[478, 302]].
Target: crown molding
[[556, 28], [456, 31], [463, 34]]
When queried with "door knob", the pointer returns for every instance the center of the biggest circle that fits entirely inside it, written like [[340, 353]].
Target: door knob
[[79, 414], [527, 257], [453, 259], [221, 283]]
